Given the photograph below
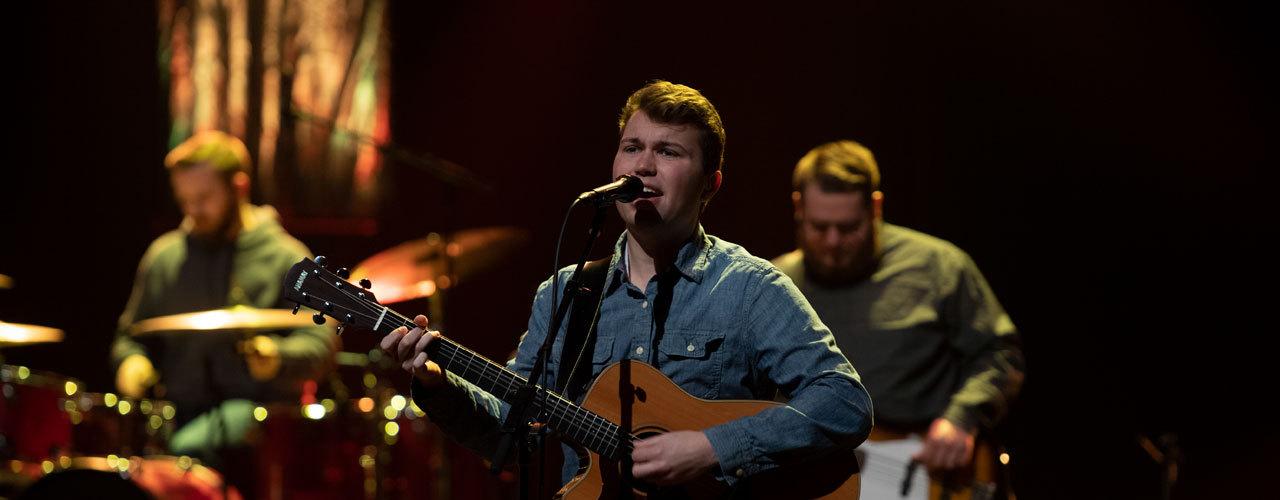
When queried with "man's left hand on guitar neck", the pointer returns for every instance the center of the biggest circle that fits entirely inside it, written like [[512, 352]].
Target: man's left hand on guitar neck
[[673, 458], [946, 447], [408, 347]]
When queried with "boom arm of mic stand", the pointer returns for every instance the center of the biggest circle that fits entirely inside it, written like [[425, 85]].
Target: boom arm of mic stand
[[442, 169]]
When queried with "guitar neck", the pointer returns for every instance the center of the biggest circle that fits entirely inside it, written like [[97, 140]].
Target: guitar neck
[[584, 426]]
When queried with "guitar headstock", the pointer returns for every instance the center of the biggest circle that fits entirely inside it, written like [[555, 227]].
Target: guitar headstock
[[309, 284]]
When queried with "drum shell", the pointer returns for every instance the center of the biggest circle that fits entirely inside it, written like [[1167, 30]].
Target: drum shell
[[33, 425], [354, 450]]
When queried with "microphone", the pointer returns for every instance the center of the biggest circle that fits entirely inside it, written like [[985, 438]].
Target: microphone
[[626, 189]]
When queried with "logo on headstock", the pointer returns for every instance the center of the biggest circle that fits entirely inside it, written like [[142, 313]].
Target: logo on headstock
[[297, 285]]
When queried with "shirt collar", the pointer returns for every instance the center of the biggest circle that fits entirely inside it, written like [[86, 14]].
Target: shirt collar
[[692, 259]]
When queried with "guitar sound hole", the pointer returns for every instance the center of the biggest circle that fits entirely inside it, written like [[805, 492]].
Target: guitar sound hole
[[637, 485]]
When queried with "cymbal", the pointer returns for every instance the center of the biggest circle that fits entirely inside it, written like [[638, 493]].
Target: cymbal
[[12, 334], [5, 282], [420, 267], [231, 318]]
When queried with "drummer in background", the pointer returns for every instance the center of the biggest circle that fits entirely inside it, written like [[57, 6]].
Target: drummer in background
[[226, 252]]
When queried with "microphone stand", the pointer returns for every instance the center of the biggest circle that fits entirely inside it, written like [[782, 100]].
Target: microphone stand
[[518, 422], [1166, 452]]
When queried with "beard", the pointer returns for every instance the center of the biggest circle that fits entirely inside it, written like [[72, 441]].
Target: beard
[[219, 229], [829, 275], [853, 266]]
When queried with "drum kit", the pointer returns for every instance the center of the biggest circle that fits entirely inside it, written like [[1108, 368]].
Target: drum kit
[[57, 439]]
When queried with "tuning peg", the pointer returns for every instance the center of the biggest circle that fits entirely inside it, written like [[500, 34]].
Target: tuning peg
[[306, 297], [344, 273], [321, 260], [346, 320], [365, 283], [318, 318], [296, 306], [328, 307]]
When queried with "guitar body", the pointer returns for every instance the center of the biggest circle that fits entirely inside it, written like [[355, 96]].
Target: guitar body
[[657, 405], [887, 452]]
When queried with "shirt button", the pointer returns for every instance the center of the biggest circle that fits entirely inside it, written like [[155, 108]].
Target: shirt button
[[644, 304], [640, 350], [690, 348], [740, 473]]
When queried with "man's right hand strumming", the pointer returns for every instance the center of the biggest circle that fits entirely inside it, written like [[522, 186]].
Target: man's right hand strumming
[[408, 347]]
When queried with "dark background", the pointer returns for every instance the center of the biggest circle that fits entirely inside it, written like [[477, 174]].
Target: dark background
[[1103, 162]]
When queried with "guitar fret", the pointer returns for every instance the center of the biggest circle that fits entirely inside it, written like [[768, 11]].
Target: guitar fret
[[606, 437], [470, 365], [584, 430], [493, 383], [581, 433], [595, 437], [610, 450], [590, 436], [575, 419], [506, 390], [553, 418], [571, 427], [591, 425], [559, 413], [466, 367]]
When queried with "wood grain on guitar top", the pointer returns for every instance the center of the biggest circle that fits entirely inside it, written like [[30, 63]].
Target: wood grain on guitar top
[[657, 405]]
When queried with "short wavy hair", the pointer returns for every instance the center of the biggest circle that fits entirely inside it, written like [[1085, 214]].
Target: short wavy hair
[[221, 151], [674, 104], [838, 167]]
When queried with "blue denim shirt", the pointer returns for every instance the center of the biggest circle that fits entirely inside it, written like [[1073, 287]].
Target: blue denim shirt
[[735, 328]]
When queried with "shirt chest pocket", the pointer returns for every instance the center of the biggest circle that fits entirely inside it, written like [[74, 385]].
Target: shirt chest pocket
[[693, 359]]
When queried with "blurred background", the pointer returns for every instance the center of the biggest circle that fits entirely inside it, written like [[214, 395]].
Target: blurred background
[[1104, 163]]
